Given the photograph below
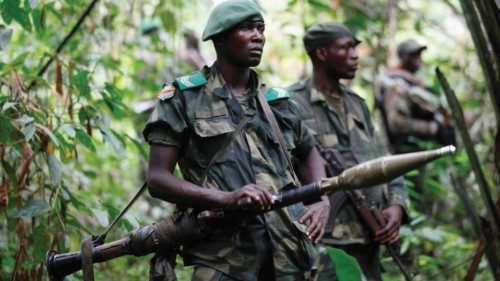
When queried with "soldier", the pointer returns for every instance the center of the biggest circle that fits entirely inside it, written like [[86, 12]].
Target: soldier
[[411, 112], [215, 125], [340, 119]]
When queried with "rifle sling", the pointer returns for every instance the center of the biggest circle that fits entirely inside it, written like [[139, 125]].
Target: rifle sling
[[87, 259], [229, 138], [277, 134]]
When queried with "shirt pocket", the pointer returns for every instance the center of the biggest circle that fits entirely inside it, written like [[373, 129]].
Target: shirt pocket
[[212, 129], [361, 128]]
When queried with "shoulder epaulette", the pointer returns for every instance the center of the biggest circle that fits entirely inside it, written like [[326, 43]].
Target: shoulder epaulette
[[274, 94], [167, 91], [192, 80]]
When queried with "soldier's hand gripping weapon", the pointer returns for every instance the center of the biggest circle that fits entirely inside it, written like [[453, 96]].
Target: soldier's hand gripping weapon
[[169, 234], [367, 210]]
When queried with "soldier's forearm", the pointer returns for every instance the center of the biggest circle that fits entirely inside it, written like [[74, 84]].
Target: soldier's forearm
[[165, 186]]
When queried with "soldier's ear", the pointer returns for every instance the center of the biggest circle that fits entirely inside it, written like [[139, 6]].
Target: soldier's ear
[[321, 53]]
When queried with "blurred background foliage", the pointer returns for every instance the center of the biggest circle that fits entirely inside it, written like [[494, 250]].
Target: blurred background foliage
[[70, 146]]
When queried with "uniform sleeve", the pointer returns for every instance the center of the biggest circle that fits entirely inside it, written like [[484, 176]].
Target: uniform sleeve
[[303, 140], [398, 109], [166, 124]]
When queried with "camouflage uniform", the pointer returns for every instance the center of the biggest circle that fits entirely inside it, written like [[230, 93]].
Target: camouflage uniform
[[411, 110], [196, 119], [344, 124]]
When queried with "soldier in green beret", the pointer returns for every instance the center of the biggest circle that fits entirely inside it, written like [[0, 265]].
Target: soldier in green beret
[[339, 119], [213, 125]]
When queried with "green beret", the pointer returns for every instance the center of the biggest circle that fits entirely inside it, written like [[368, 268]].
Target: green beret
[[228, 14], [410, 46], [323, 34]]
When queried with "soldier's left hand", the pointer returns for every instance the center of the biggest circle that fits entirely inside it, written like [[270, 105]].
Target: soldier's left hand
[[316, 217], [390, 233]]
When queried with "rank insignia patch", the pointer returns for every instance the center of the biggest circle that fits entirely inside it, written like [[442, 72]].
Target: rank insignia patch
[[166, 92]]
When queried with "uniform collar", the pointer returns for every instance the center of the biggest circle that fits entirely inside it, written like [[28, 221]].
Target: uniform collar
[[217, 85]]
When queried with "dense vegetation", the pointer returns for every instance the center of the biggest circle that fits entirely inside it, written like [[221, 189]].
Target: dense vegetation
[[70, 147]]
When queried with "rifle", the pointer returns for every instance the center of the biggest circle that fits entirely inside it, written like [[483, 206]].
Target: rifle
[[169, 234], [368, 211]]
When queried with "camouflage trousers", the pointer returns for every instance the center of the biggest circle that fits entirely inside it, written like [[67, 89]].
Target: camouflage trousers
[[368, 259]]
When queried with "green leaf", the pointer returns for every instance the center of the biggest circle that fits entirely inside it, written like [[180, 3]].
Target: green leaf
[[25, 119], [55, 169], [5, 36], [11, 10], [81, 82], [32, 209], [41, 243], [69, 130], [110, 138], [19, 60], [84, 139], [9, 170], [6, 128], [8, 105], [346, 266], [29, 131], [140, 147], [52, 137], [102, 217]]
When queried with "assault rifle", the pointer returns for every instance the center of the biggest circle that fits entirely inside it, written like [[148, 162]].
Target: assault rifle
[[366, 208], [168, 235]]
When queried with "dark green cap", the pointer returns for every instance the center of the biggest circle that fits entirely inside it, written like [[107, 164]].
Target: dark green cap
[[228, 14], [410, 46], [324, 33]]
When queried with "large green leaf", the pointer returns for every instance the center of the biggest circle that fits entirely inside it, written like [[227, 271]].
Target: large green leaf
[[55, 169], [81, 82], [41, 243], [32, 209], [12, 10], [6, 128], [52, 137], [346, 266], [29, 131], [102, 217], [84, 139], [110, 137]]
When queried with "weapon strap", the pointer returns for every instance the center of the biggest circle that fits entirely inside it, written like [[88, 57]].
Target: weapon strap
[[227, 141], [87, 259], [277, 134]]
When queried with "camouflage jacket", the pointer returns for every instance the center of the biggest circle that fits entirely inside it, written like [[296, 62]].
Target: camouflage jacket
[[411, 110], [196, 118], [357, 143]]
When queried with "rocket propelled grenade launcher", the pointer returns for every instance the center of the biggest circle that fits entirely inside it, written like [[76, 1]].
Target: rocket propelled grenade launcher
[[366, 174], [170, 233]]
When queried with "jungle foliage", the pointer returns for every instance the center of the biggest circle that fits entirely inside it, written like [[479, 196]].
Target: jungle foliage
[[70, 146]]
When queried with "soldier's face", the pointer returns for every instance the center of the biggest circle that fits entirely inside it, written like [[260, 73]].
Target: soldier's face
[[243, 45], [341, 58], [411, 62]]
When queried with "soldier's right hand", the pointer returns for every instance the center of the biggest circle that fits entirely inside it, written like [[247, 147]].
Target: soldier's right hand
[[249, 196]]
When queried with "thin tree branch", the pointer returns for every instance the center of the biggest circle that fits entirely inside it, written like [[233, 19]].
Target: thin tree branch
[[65, 40]]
